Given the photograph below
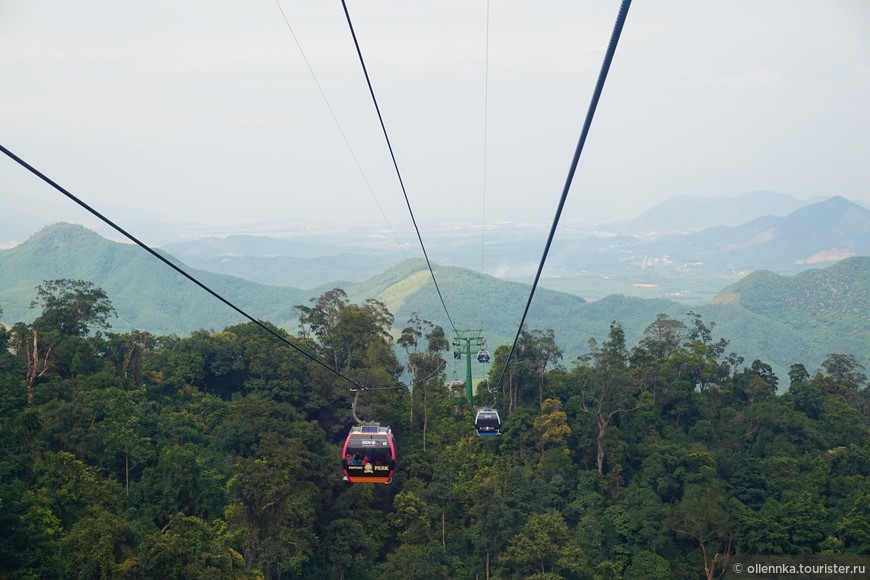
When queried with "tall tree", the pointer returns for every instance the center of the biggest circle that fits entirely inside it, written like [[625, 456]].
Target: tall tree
[[543, 349], [345, 331], [661, 340], [535, 351], [551, 427], [702, 360], [606, 388], [70, 308], [121, 430], [425, 366], [752, 385], [356, 341], [545, 546], [845, 370], [703, 516]]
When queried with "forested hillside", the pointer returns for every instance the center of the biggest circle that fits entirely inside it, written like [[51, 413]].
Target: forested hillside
[[148, 295], [782, 320], [828, 298], [216, 455]]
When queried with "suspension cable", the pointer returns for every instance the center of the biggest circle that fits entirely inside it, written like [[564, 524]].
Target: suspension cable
[[596, 95], [440, 369], [395, 164], [340, 129], [358, 389], [485, 149], [163, 259]]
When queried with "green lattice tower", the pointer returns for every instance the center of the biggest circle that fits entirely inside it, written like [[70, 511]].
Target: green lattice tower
[[463, 343]]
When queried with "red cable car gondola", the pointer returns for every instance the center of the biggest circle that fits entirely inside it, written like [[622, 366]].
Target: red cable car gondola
[[369, 454]]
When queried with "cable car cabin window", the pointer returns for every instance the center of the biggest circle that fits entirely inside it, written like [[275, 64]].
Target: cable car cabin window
[[368, 458]]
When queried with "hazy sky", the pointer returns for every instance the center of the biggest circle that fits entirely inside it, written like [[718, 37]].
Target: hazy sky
[[205, 110]]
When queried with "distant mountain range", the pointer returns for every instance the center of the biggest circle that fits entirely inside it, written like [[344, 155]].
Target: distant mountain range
[[820, 233], [813, 234], [299, 262], [694, 267], [778, 319], [686, 214]]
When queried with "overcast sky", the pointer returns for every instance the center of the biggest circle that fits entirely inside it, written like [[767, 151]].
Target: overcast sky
[[205, 110]]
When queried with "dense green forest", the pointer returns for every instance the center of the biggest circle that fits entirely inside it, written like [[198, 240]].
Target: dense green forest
[[130, 455]]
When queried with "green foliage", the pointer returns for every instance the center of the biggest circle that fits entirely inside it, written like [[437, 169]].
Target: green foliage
[[646, 565], [551, 427], [95, 544], [216, 455], [412, 561], [71, 307], [181, 482], [186, 547], [545, 544]]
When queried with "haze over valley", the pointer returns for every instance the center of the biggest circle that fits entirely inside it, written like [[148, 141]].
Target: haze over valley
[[595, 274], [685, 249]]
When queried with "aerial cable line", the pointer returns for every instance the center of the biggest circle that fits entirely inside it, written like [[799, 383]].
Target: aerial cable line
[[414, 380], [383, 388], [596, 95], [440, 368], [163, 259], [396, 165], [340, 130], [485, 149]]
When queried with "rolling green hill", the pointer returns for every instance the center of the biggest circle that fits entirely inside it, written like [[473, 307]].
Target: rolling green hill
[[145, 292], [780, 320], [475, 301], [827, 309]]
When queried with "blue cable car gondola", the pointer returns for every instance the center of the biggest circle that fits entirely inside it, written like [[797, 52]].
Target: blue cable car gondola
[[487, 423], [369, 454]]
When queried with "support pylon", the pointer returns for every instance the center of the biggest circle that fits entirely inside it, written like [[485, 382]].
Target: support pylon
[[462, 345]]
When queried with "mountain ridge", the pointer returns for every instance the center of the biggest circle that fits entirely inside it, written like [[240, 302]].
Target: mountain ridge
[[827, 231], [765, 315], [134, 281], [686, 213]]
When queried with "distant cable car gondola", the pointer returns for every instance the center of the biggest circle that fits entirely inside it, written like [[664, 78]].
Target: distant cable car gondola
[[483, 356], [487, 423], [369, 454]]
